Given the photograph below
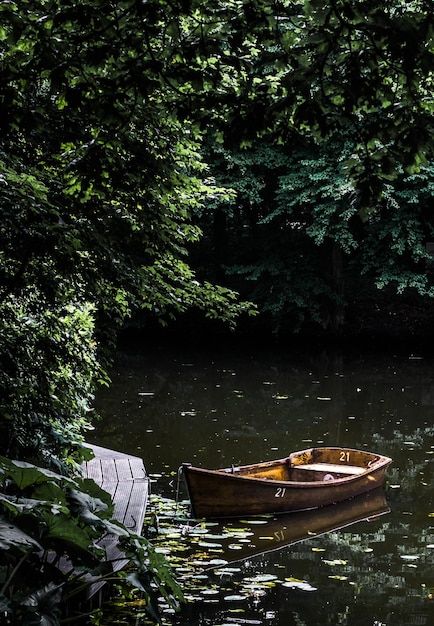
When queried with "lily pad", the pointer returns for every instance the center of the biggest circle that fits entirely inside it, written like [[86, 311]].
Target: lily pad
[[235, 546], [295, 583], [209, 544], [261, 578]]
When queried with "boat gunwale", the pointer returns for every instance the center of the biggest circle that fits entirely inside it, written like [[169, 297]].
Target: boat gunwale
[[382, 462]]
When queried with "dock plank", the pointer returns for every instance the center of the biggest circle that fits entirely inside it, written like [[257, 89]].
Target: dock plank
[[124, 477], [123, 501], [123, 469], [135, 512], [137, 468], [109, 473], [92, 469]]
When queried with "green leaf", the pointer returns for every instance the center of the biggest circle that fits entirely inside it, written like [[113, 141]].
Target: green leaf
[[25, 474], [13, 537]]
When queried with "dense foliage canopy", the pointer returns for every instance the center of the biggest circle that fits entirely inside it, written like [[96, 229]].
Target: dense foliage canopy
[[296, 241], [103, 106]]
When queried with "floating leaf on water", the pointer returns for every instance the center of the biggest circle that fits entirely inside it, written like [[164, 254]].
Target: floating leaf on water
[[260, 578], [368, 550], [239, 534], [192, 598], [241, 620], [318, 549], [239, 610], [336, 577], [209, 592], [211, 601], [409, 557], [234, 598], [228, 571], [259, 589], [395, 486], [208, 544], [296, 583], [235, 546], [254, 521], [335, 562], [267, 538], [217, 562]]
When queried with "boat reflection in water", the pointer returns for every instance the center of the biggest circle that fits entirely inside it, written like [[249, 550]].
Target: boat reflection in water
[[285, 530]]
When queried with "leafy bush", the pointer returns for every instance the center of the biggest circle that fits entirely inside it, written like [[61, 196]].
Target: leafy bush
[[48, 371], [49, 526]]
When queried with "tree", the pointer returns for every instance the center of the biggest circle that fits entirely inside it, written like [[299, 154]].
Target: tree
[[296, 241], [99, 178]]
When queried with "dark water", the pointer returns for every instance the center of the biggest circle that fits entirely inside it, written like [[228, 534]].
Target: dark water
[[218, 408]]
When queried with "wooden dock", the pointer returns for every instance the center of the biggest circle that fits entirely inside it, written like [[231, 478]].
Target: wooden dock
[[124, 477]]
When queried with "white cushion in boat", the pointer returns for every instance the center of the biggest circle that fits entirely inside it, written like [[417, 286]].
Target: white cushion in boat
[[330, 467]]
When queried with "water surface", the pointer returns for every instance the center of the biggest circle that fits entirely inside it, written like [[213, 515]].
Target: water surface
[[218, 408]]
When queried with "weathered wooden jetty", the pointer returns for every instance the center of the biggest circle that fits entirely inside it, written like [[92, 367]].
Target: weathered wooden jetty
[[124, 477]]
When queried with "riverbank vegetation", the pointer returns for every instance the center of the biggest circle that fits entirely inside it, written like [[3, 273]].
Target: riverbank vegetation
[[296, 136]]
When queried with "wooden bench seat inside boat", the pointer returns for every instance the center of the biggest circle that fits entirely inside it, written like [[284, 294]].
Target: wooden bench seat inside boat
[[331, 467]]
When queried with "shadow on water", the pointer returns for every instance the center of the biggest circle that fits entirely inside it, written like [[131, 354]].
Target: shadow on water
[[219, 408]]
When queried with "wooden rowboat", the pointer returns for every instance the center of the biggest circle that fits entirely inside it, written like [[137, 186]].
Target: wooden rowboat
[[307, 479]]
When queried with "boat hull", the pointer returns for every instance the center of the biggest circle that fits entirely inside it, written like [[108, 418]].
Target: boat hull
[[217, 493]]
